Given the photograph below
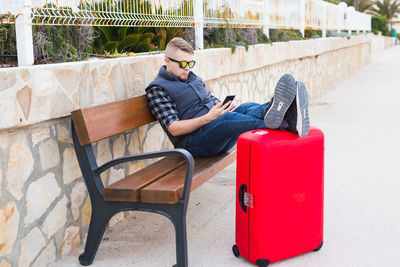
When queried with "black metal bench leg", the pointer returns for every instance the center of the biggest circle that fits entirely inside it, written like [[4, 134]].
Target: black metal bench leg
[[98, 224], [181, 238]]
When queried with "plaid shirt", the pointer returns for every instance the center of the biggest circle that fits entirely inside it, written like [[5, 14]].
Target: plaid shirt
[[163, 107]]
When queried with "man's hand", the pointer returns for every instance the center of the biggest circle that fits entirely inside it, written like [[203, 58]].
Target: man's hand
[[232, 106], [218, 110]]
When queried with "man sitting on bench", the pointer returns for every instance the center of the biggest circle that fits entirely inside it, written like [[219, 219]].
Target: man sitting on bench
[[197, 121]]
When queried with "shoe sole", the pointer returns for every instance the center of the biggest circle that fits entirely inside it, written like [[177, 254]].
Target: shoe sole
[[303, 121], [285, 92]]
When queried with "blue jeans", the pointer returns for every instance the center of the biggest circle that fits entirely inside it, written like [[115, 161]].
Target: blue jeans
[[221, 134]]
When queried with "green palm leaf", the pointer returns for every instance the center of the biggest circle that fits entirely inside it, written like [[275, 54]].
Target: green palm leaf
[[107, 32], [130, 42], [111, 46]]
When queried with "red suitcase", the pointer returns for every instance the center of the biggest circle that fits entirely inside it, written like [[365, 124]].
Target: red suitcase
[[279, 206]]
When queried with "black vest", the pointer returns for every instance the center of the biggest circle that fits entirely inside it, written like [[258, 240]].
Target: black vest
[[191, 98]]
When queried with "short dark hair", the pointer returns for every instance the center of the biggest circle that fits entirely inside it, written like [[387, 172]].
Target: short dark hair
[[181, 44]]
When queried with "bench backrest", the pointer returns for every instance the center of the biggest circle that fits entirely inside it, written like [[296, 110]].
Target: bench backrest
[[103, 121]]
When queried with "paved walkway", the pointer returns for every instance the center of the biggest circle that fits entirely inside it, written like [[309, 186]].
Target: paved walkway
[[361, 120]]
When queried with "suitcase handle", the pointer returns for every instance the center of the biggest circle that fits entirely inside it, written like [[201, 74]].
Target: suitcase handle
[[242, 190]]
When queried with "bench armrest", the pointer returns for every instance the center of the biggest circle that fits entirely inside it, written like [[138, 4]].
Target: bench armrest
[[150, 155]]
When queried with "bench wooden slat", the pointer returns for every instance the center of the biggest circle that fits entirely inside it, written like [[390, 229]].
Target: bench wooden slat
[[128, 188], [169, 189], [99, 122]]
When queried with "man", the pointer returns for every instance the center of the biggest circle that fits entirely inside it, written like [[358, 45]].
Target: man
[[197, 121]]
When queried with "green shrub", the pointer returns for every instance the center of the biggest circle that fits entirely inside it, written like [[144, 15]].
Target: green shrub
[[283, 35], [262, 38], [232, 37], [312, 34], [379, 24], [54, 44], [8, 44], [123, 39], [134, 39]]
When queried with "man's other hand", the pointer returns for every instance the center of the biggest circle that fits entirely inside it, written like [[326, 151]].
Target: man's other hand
[[181, 127]]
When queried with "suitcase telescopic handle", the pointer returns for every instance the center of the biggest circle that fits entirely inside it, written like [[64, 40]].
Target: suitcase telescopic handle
[[242, 190]]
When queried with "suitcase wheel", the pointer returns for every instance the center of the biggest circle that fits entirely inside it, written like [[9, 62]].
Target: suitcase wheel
[[319, 247], [262, 262], [235, 250]]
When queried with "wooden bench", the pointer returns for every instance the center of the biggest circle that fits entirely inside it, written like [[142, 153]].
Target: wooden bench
[[163, 187]]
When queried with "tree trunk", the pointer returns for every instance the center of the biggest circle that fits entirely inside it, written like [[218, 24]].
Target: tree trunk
[[356, 4]]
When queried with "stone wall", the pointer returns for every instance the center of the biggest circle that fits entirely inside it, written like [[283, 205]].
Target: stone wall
[[380, 43], [44, 205]]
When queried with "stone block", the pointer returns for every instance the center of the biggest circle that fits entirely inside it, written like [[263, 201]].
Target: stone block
[[8, 79], [102, 90], [69, 77], [40, 133], [116, 174], [134, 144], [77, 196], [142, 133], [24, 99], [132, 168], [49, 154], [71, 169], [136, 165], [169, 144], [103, 152], [119, 147], [1, 174], [9, 222], [71, 240], [103, 177], [25, 74], [64, 135], [4, 263], [61, 104], [47, 256], [3, 140], [118, 81], [136, 73], [20, 165], [31, 245], [85, 87], [56, 219], [223, 91], [153, 140], [151, 67], [11, 115], [86, 212], [245, 93], [44, 90], [39, 197]]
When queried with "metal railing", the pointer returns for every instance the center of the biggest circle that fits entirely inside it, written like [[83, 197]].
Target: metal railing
[[235, 13], [152, 13], [9, 10], [292, 14], [265, 14]]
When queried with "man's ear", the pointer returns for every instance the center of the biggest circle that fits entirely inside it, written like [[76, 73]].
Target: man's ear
[[167, 61]]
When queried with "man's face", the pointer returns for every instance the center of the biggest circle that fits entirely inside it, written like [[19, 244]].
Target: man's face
[[173, 67]]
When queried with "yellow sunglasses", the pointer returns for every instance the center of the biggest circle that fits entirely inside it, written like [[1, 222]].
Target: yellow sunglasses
[[183, 64]]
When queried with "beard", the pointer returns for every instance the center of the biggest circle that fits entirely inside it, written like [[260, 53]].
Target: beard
[[183, 77]]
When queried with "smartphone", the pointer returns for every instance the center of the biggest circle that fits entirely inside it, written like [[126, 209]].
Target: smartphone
[[228, 98]]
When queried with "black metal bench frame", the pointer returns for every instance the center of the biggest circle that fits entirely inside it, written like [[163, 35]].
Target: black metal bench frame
[[102, 210]]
